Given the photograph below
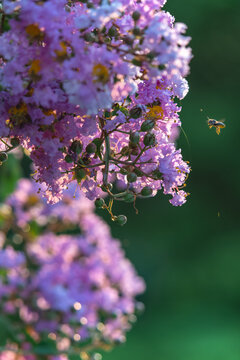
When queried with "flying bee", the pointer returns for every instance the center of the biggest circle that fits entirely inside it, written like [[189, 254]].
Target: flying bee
[[218, 125]]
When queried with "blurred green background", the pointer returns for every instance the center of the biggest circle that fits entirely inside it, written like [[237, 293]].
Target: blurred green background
[[190, 256]]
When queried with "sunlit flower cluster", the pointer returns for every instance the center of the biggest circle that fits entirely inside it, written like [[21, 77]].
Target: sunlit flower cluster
[[88, 89]]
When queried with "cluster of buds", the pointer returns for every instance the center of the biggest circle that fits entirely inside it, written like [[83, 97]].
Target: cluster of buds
[[91, 95]]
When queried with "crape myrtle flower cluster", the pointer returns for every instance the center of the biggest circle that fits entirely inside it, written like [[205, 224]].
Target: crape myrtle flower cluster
[[65, 284], [88, 88]]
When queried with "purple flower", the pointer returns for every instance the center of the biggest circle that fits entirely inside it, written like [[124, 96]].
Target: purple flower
[[61, 285], [78, 76]]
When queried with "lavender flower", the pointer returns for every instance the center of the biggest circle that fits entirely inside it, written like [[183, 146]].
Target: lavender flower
[[68, 289], [93, 76]]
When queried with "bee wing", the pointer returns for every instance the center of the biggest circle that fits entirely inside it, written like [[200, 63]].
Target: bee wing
[[222, 125]]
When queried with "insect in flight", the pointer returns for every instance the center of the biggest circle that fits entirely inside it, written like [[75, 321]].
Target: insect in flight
[[218, 125]]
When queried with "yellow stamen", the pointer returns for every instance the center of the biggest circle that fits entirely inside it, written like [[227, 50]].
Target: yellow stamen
[[154, 113], [62, 54], [18, 110], [34, 32], [35, 67], [100, 73], [49, 112]]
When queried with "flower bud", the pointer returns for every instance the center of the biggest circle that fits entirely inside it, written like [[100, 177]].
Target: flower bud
[[107, 114], [146, 191], [113, 31], [135, 112], [3, 156], [86, 160], [76, 146], [68, 158], [136, 62], [129, 198], [135, 137], [131, 177], [121, 220], [149, 139], [128, 40], [89, 37], [147, 125], [161, 67], [151, 55], [91, 148], [99, 203], [136, 31], [79, 174], [136, 15], [14, 142]]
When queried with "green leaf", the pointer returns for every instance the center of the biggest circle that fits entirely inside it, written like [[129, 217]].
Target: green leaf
[[7, 331], [45, 347], [74, 357], [10, 172]]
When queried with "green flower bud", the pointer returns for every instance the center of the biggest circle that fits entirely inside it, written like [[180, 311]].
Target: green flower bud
[[149, 139], [136, 15], [14, 142], [68, 158], [107, 39], [107, 114], [91, 148], [3, 157], [89, 37], [135, 112], [76, 146], [146, 191], [136, 62], [79, 174], [113, 31], [128, 40], [162, 67], [131, 177], [129, 198], [99, 203], [121, 220], [135, 137], [147, 125], [136, 31], [151, 55]]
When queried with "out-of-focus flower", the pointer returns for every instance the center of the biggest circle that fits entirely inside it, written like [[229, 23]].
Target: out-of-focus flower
[[63, 277]]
